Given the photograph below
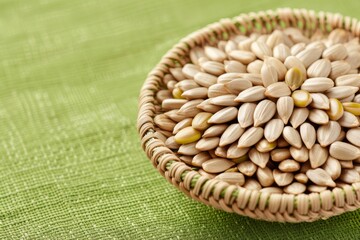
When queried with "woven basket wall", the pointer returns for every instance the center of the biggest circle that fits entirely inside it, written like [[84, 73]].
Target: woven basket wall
[[219, 194]]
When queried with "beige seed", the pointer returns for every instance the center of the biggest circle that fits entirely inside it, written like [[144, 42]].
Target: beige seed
[[207, 175], [350, 176], [228, 77], [308, 135], [293, 61], [200, 121], [235, 152], [316, 188], [187, 135], [319, 84], [285, 107], [341, 136], [195, 93], [344, 151], [207, 107], [245, 57], [224, 115], [189, 70], [205, 79], [282, 178], [335, 52], [339, 68], [186, 159], [169, 104], [250, 137], [252, 184], [338, 36], [299, 116], [278, 65], [273, 130], [336, 110], [237, 85], [188, 149], [164, 122], [292, 136], [265, 176], [281, 52], [332, 167], [212, 67], [353, 136], [353, 59], [348, 80], [162, 95], [320, 68], [327, 134], [170, 143], [352, 107], [260, 159], [175, 116], [320, 177], [182, 124], [245, 114], [190, 109], [251, 94], [232, 178], [255, 66], [245, 44], [349, 120], [254, 78], [341, 91], [271, 190], [277, 90], [224, 100], [275, 38], [289, 165], [295, 49], [230, 45], [264, 111], [318, 156], [215, 130], [214, 54], [320, 101], [347, 164], [348, 99], [294, 78], [200, 158], [268, 74], [318, 116], [177, 73], [299, 154], [280, 154], [206, 144], [217, 165], [231, 134], [265, 146], [301, 98], [247, 168], [195, 54], [301, 178], [234, 66], [295, 188], [309, 55], [261, 49], [217, 90], [221, 152]]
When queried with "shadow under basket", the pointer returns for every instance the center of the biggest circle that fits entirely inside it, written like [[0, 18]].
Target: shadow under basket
[[281, 207]]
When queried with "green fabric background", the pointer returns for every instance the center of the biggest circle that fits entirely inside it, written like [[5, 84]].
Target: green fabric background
[[71, 166]]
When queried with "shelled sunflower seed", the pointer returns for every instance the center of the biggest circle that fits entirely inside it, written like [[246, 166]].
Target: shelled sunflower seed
[[276, 112]]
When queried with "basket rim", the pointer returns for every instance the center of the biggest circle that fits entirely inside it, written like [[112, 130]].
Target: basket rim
[[219, 194]]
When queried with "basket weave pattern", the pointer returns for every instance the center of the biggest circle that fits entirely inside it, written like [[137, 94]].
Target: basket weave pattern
[[219, 194]]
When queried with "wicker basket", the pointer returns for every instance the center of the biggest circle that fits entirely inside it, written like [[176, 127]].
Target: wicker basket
[[219, 194]]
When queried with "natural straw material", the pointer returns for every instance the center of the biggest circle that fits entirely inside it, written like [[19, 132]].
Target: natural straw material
[[247, 200]]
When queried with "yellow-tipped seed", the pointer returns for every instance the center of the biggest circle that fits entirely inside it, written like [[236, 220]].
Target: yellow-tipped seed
[[200, 121], [336, 110], [240, 159], [301, 98], [352, 107], [177, 93], [294, 78], [187, 135], [265, 146]]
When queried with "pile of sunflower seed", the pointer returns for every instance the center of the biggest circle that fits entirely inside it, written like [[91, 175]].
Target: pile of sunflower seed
[[276, 113]]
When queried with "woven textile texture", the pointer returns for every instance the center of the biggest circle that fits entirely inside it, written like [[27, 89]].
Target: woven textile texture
[[71, 166]]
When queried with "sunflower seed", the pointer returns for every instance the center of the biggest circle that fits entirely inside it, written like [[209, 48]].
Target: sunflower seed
[[231, 134], [308, 135], [273, 130], [212, 67], [320, 177], [282, 178], [327, 134], [164, 122], [207, 107], [206, 144], [309, 55], [316, 188], [190, 109], [281, 142], [187, 135], [285, 107], [177, 73], [189, 70], [265, 176], [255, 66], [237, 85], [293, 61], [341, 91], [162, 95], [245, 44], [335, 52], [200, 158], [186, 159], [247, 168], [232, 178], [336, 110], [188, 149], [224, 100], [289, 165], [195, 93], [338, 36], [245, 57], [339, 68], [252, 184], [277, 90], [347, 164], [261, 49], [352, 107], [348, 80], [320, 101], [301, 178], [205, 174], [318, 155], [214, 54], [353, 136], [320, 68], [170, 143], [254, 78], [349, 120], [278, 65], [292, 136], [280, 154], [169, 103], [221, 152], [332, 167], [260, 159], [318, 116], [295, 49], [344, 151], [299, 154], [353, 59], [294, 78], [299, 116], [301, 98], [341, 136], [217, 165], [350, 176], [228, 77], [234, 66], [275, 38], [251, 94], [224, 115], [268, 74], [264, 111], [295, 188], [217, 90], [348, 99], [215, 130], [250, 137], [281, 52], [265, 146], [235, 152], [319, 84], [205, 79]]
